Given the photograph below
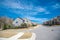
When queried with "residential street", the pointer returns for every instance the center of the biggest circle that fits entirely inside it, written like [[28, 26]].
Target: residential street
[[47, 33], [42, 32]]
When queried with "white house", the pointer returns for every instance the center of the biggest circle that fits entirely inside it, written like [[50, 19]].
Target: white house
[[27, 21], [18, 22]]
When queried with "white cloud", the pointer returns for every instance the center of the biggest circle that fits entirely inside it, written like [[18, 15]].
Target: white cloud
[[33, 10], [56, 5], [12, 5], [40, 9], [47, 12], [25, 12], [19, 5], [37, 19]]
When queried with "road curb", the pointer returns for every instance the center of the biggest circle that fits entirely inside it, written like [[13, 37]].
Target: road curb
[[33, 37]]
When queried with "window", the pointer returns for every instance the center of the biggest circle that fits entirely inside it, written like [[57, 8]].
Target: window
[[16, 21]]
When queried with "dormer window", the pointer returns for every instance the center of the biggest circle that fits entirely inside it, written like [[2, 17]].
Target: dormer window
[[27, 21], [16, 21]]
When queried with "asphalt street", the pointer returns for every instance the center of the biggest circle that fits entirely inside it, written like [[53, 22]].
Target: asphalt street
[[47, 33]]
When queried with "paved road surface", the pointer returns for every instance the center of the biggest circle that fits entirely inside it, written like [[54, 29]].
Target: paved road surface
[[47, 33]]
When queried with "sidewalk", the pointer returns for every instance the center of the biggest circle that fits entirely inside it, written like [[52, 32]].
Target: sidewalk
[[21, 34], [28, 36]]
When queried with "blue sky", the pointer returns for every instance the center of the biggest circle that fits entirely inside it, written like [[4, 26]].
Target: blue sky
[[35, 10]]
